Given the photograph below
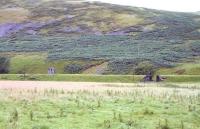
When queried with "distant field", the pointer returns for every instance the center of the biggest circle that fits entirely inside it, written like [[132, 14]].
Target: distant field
[[123, 54], [37, 63], [98, 78]]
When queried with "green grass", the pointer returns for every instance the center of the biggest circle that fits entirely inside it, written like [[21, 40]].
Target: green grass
[[98, 78], [56, 109], [187, 68], [183, 78], [74, 77], [32, 63], [37, 63]]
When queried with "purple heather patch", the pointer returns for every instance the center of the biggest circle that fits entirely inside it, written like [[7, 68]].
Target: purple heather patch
[[34, 25], [8, 28]]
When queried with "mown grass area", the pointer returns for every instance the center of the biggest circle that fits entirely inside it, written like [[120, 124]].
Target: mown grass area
[[98, 78], [73, 77], [134, 109]]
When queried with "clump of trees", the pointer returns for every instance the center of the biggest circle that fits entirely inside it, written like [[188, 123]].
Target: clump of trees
[[4, 65]]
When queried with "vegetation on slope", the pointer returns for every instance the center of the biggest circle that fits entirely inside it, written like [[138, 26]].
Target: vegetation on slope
[[70, 31], [63, 17], [124, 54]]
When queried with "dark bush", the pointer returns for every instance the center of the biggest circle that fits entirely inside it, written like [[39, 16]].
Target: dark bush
[[121, 66], [4, 65], [73, 69], [144, 67]]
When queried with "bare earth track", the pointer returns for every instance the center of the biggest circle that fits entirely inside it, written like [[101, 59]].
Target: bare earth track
[[92, 86]]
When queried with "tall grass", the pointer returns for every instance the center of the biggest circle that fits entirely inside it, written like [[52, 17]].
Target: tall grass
[[139, 108]]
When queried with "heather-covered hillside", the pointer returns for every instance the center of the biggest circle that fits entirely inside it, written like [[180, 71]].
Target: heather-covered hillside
[[86, 35], [64, 17]]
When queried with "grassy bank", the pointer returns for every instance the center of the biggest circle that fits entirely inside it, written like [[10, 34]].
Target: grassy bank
[[73, 77], [97, 78]]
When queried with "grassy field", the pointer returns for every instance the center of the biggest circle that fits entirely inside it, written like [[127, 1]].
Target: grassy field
[[98, 78], [189, 68], [110, 109], [37, 63], [73, 77]]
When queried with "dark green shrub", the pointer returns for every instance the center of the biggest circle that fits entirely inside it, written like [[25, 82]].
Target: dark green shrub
[[14, 116], [4, 65], [148, 112], [121, 66], [73, 68]]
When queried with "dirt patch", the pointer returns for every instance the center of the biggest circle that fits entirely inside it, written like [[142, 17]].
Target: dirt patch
[[151, 88], [58, 85], [98, 69]]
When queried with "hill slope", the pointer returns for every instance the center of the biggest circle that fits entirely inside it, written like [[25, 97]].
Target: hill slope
[[63, 17], [128, 38]]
